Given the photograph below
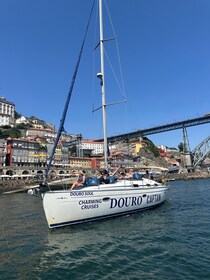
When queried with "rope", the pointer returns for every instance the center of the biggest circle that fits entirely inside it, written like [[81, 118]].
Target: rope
[[118, 53], [61, 128]]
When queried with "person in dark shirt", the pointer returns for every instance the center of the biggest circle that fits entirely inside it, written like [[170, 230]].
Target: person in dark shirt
[[104, 177], [146, 175]]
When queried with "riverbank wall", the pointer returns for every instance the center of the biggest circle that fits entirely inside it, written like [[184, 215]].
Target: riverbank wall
[[189, 176], [13, 186]]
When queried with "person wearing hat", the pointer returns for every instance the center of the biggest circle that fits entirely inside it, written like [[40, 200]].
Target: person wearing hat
[[80, 182]]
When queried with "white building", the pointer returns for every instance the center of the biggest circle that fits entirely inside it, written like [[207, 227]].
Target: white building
[[96, 147], [7, 112], [22, 119]]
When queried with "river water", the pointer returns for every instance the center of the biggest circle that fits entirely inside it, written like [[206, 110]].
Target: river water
[[169, 242]]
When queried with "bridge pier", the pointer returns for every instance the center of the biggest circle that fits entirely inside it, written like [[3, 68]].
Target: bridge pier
[[187, 160]]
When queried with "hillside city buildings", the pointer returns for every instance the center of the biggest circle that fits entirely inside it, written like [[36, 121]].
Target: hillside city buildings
[[34, 147]]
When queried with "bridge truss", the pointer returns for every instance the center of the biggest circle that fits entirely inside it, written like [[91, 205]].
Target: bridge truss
[[197, 155], [201, 152], [158, 129]]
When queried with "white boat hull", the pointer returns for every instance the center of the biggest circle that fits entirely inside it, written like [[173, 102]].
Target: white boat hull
[[65, 207]]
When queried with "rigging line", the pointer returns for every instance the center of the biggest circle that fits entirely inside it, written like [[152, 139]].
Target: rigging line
[[121, 90], [120, 69], [93, 67], [117, 47], [114, 73], [61, 128]]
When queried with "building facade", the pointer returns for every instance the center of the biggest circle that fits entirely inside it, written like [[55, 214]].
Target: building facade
[[7, 112], [24, 152], [81, 162], [96, 147], [3, 144]]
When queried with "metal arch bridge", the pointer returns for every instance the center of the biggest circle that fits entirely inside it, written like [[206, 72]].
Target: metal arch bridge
[[158, 129], [201, 152], [197, 155]]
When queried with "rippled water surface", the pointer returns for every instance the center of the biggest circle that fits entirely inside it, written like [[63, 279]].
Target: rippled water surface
[[169, 242]]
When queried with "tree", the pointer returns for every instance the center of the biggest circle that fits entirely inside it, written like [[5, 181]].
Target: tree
[[181, 147], [14, 132], [11, 132], [152, 147], [17, 115], [22, 126], [6, 126]]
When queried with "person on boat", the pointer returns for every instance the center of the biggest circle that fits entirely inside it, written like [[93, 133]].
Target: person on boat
[[104, 177], [81, 180], [121, 175], [129, 174], [147, 175]]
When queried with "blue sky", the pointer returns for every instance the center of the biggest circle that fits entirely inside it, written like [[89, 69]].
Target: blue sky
[[164, 48]]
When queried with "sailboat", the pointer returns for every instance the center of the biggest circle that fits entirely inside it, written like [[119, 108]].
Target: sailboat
[[100, 201]]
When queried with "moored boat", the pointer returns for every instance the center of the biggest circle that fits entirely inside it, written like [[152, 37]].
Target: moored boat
[[99, 201], [64, 208]]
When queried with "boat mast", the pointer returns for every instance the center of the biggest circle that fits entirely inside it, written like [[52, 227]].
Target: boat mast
[[101, 77]]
